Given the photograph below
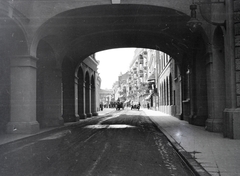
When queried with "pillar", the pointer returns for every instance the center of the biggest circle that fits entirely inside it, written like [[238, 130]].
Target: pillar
[[81, 100], [76, 98], [23, 96], [215, 91], [52, 98], [94, 107], [69, 113], [89, 114], [231, 128]]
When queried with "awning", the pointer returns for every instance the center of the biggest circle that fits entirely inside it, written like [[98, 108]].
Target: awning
[[151, 77], [148, 97], [126, 101]]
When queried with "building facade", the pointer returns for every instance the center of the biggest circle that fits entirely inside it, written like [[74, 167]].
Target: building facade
[[106, 97], [202, 37]]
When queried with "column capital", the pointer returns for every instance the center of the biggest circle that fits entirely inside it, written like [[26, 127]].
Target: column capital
[[83, 84], [76, 80], [24, 61]]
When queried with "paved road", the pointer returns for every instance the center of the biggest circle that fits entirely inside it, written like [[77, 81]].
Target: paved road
[[123, 143]]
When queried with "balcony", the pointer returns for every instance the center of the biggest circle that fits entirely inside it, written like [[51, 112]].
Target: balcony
[[140, 59]]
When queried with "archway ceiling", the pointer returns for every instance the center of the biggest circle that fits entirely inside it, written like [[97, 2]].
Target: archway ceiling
[[88, 30], [12, 38]]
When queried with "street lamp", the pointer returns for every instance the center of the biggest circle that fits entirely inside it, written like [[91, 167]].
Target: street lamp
[[194, 23]]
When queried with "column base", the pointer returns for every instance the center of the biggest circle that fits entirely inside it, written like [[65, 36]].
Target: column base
[[22, 127], [214, 125], [231, 127], [51, 122], [197, 120], [82, 116], [89, 114], [95, 114], [70, 118]]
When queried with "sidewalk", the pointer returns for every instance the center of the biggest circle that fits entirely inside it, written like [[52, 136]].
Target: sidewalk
[[7, 138], [217, 155]]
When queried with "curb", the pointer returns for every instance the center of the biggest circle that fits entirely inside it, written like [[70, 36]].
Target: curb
[[39, 135], [195, 167]]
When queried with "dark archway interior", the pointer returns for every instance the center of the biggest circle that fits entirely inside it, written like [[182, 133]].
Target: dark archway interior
[[82, 32], [76, 34]]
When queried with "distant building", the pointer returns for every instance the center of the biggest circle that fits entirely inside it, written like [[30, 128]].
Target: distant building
[[105, 97], [137, 77], [122, 86]]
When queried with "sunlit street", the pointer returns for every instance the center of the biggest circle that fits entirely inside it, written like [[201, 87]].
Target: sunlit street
[[122, 143]]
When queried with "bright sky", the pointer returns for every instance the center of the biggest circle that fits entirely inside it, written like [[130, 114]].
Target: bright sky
[[112, 63]]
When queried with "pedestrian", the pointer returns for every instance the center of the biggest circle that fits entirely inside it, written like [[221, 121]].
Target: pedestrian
[[148, 105]]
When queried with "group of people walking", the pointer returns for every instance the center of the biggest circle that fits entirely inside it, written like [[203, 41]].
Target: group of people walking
[[119, 105]]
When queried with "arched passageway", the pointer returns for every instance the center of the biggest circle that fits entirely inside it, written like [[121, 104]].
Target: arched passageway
[[71, 36]]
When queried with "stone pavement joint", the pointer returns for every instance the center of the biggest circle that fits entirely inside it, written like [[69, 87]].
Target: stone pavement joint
[[206, 152], [195, 167]]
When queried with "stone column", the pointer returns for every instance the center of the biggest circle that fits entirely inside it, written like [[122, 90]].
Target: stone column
[[215, 94], [94, 107], [81, 100], [69, 97], [76, 97], [89, 114], [23, 96], [231, 127], [52, 100]]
